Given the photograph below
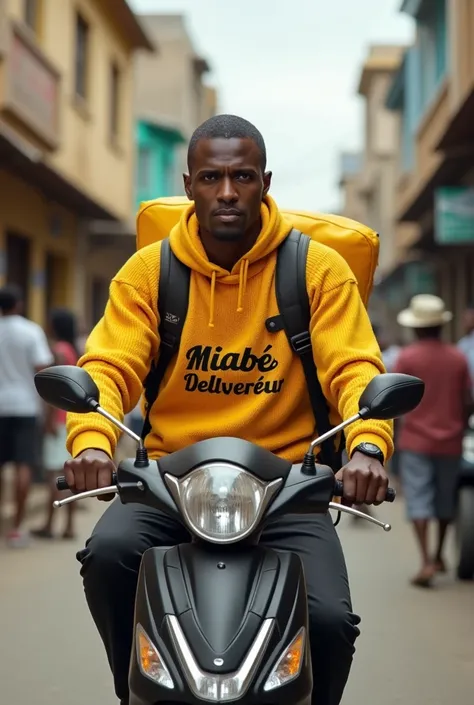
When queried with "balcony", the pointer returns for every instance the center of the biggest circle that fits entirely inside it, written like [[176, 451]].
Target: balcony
[[30, 89]]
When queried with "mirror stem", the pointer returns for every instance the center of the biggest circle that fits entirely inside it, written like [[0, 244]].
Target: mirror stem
[[120, 425], [309, 461], [332, 432]]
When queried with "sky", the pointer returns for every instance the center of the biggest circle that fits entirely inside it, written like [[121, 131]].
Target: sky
[[292, 68]]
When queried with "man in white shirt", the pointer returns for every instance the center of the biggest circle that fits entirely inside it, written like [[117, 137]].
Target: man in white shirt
[[24, 350]]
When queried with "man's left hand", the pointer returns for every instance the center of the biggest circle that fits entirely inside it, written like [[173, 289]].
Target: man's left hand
[[365, 480]]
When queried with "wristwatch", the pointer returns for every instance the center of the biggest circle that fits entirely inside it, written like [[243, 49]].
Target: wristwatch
[[371, 450]]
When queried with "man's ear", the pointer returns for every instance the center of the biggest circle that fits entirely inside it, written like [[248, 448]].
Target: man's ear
[[267, 181], [187, 186]]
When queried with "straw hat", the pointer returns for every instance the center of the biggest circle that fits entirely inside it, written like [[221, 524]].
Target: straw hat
[[425, 311]]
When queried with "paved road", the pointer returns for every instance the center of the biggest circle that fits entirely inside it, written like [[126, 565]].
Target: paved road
[[417, 647]]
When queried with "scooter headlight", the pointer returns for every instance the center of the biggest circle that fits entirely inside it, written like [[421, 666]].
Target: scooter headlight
[[221, 502]]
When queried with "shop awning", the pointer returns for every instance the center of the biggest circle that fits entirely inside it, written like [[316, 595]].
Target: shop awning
[[449, 173], [460, 130]]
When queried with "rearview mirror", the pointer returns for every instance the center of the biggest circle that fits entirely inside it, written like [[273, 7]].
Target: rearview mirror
[[68, 388], [391, 395]]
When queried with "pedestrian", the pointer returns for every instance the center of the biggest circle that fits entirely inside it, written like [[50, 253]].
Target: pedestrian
[[431, 436], [62, 331], [24, 350], [390, 353]]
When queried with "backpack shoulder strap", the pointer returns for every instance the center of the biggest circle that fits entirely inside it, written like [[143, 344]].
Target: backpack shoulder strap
[[173, 296], [293, 304]]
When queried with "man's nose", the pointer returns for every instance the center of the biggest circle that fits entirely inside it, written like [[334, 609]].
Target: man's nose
[[227, 191]]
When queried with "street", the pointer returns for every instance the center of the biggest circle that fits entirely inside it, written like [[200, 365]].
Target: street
[[417, 646]]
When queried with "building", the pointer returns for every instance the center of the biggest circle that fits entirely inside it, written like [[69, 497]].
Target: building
[[434, 94], [157, 159], [368, 180], [66, 148], [177, 72], [353, 202]]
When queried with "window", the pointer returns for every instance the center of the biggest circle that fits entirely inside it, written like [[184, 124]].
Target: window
[[144, 168], [432, 39], [114, 101], [82, 50], [412, 107], [30, 14]]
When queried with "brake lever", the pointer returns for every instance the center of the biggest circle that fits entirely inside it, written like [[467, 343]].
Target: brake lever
[[111, 489], [356, 513]]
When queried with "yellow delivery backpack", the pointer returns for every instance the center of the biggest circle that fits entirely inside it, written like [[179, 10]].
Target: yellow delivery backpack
[[358, 244]]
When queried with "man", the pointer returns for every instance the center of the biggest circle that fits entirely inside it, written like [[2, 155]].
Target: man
[[229, 238], [24, 350], [466, 344], [431, 436]]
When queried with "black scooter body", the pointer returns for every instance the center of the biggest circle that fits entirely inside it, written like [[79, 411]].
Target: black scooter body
[[223, 596], [220, 611]]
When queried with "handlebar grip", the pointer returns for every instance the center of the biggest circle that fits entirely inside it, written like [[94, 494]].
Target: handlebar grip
[[339, 491], [62, 485]]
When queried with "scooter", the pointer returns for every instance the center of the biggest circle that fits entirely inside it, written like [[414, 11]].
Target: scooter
[[223, 619], [465, 510]]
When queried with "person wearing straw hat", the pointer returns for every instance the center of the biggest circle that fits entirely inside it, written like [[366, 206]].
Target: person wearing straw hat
[[430, 441]]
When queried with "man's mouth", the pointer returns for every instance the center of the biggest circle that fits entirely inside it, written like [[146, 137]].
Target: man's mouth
[[228, 215]]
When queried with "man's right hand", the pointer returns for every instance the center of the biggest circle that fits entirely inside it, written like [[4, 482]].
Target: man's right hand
[[90, 470]]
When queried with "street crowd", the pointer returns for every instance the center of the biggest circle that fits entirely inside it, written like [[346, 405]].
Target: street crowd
[[429, 441]]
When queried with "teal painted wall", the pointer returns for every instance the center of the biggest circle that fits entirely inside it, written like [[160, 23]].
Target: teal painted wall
[[155, 161]]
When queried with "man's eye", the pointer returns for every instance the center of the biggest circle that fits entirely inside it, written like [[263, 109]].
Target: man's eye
[[244, 177], [209, 177]]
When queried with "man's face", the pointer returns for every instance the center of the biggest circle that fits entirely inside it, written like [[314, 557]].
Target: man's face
[[227, 184]]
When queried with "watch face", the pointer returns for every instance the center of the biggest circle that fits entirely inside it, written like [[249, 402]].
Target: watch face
[[371, 448]]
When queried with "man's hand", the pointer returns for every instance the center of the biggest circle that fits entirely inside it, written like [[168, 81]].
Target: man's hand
[[91, 470], [365, 480]]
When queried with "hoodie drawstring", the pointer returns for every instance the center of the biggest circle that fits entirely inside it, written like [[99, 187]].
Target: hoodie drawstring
[[243, 273], [213, 297]]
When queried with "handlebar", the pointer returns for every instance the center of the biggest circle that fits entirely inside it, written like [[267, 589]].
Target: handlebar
[[62, 485], [339, 491], [61, 482]]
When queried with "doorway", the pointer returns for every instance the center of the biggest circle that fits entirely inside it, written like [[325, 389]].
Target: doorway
[[56, 275], [18, 264], [100, 295]]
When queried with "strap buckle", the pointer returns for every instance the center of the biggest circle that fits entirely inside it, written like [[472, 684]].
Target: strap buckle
[[168, 340], [301, 342]]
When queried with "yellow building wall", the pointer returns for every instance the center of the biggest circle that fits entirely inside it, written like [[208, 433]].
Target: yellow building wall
[[86, 155], [25, 212]]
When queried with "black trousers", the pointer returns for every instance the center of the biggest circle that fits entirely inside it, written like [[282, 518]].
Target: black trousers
[[111, 559]]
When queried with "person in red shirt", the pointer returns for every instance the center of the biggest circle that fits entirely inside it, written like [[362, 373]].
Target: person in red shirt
[[431, 436]]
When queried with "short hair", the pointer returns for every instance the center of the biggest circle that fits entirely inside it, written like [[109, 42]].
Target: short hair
[[10, 296], [227, 127]]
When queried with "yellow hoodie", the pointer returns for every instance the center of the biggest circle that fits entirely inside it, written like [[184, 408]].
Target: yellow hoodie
[[231, 376]]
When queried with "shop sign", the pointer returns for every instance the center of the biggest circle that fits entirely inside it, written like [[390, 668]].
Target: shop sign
[[454, 215]]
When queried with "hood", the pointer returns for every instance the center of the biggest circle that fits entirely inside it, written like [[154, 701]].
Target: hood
[[187, 246]]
